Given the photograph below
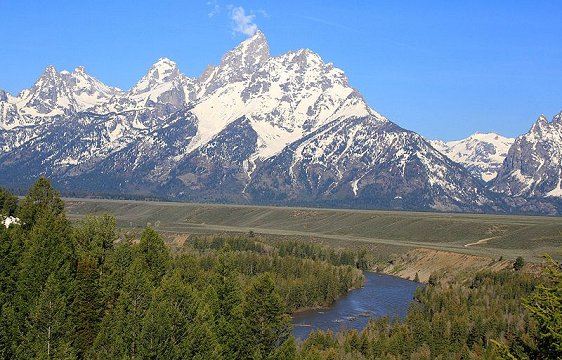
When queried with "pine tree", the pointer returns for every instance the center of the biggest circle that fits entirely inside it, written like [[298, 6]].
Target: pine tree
[[48, 335], [266, 324], [201, 342], [229, 305], [169, 320], [48, 250], [115, 268], [155, 254], [545, 305], [120, 329], [11, 249], [8, 203], [40, 199], [518, 264], [287, 351], [86, 309], [94, 237], [10, 331]]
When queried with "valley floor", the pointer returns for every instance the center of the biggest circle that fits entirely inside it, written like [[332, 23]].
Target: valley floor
[[385, 233]]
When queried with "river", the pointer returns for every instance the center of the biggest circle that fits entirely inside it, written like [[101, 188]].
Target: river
[[381, 295]]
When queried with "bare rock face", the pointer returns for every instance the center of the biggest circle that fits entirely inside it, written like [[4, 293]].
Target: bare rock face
[[533, 164]]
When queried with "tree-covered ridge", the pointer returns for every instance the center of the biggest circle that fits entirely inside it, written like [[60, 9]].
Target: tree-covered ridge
[[86, 291], [307, 275]]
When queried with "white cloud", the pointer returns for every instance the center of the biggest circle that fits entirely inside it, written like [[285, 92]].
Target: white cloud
[[242, 23]]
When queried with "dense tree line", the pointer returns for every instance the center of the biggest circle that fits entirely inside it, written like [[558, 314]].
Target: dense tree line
[[306, 276], [283, 248], [84, 291]]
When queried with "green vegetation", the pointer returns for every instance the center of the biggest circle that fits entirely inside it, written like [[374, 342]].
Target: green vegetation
[[481, 318], [85, 290], [8, 203], [381, 233], [545, 305], [518, 264]]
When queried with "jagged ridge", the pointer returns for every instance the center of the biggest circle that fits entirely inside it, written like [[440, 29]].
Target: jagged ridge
[[256, 128]]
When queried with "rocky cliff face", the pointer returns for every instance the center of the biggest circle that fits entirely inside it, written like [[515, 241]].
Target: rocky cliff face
[[533, 164]]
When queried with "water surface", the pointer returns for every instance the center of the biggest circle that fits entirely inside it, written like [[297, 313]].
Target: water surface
[[381, 295]]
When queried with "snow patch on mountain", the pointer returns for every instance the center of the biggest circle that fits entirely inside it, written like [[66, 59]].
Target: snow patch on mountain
[[285, 96]]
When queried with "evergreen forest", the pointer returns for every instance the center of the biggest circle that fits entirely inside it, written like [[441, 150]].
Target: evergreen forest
[[86, 290]]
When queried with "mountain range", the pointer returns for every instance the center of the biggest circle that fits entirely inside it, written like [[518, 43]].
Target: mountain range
[[262, 129]]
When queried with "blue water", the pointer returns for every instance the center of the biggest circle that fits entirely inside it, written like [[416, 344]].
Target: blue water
[[381, 295]]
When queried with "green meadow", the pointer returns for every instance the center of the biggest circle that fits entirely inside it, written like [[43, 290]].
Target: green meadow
[[389, 231]]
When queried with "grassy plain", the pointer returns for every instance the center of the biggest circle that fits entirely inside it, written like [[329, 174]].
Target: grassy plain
[[385, 231]]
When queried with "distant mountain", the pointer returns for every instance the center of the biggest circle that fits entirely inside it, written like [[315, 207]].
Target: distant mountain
[[256, 128], [482, 154], [533, 166]]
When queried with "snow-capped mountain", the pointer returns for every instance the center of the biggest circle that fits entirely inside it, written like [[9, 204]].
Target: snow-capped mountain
[[481, 153], [533, 166], [53, 94], [163, 90], [256, 128], [284, 97], [368, 161]]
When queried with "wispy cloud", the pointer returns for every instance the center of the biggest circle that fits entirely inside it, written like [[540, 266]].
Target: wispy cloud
[[242, 23], [326, 22], [215, 8]]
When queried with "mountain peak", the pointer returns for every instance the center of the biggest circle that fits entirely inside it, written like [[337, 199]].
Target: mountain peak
[[50, 72], [164, 63], [557, 118], [489, 137], [248, 54], [540, 123], [257, 37], [162, 71], [307, 57], [79, 70]]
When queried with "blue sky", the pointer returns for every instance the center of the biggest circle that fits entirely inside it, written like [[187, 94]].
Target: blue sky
[[445, 69]]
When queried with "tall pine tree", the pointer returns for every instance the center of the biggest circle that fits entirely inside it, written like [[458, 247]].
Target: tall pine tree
[[86, 308], [48, 335], [154, 253], [267, 327]]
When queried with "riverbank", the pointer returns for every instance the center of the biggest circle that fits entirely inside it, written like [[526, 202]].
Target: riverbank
[[425, 262], [382, 295], [320, 308]]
